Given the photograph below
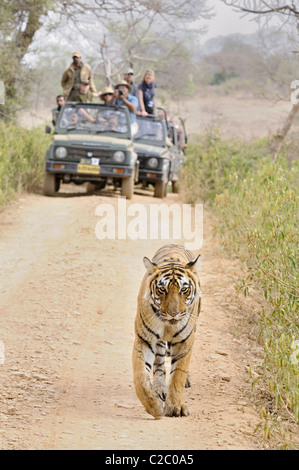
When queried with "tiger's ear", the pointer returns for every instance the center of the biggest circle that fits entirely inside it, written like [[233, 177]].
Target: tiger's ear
[[151, 267], [194, 264]]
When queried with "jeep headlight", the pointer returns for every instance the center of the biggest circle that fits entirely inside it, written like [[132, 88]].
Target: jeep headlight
[[119, 156], [61, 152], [153, 162]]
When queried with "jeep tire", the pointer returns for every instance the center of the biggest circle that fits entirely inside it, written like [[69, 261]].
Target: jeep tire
[[90, 187], [127, 187], [175, 187], [50, 184], [160, 189]]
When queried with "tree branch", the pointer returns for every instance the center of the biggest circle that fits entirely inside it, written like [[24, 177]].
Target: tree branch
[[285, 10]]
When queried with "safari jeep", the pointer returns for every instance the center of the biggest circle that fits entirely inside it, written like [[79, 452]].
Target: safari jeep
[[178, 139], [92, 143], [160, 158]]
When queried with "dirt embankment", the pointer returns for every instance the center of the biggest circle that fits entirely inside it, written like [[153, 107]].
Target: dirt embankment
[[67, 308]]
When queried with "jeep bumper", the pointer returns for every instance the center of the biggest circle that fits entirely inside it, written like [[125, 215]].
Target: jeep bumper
[[152, 176], [87, 172]]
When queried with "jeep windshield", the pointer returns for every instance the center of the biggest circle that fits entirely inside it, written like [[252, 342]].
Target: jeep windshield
[[150, 131], [93, 118]]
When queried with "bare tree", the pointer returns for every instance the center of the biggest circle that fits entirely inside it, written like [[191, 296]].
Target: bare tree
[[20, 20], [183, 9], [131, 32], [287, 11]]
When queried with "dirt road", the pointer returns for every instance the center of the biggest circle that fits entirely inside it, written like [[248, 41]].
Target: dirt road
[[67, 309]]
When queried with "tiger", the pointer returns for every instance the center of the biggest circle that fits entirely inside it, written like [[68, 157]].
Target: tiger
[[168, 306]]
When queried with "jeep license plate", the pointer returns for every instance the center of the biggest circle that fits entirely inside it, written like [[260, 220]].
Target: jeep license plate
[[89, 169]]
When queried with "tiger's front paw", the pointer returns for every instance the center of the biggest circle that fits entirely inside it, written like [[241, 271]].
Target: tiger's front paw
[[176, 410], [154, 407], [160, 390]]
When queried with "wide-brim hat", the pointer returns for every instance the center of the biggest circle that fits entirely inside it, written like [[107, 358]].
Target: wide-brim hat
[[123, 83], [106, 90]]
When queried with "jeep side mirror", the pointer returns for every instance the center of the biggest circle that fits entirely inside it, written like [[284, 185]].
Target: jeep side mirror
[[48, 130]]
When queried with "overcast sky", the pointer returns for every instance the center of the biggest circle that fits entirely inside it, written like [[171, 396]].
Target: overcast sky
[[227, 21]]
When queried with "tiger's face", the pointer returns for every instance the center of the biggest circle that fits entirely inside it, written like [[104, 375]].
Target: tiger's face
[[173, 297], [173, 290]]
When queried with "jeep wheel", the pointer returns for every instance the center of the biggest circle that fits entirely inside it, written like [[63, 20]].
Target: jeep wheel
[[175, 187], [57, 184], [127, 187], [50, 184], [90, 187], [160, 187]]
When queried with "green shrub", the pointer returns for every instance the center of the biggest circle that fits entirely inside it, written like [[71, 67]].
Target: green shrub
[[22, 159], [256, 204]]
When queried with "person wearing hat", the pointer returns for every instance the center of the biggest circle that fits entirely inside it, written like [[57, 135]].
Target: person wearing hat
[[107, 96], [128, 77], [84, 94], [124, 98], [76, 73]]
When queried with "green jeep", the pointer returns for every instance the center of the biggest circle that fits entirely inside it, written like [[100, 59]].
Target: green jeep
[[92, 143], [160, 158]]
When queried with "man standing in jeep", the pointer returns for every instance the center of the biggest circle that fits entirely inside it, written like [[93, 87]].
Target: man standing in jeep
[[76, 73]]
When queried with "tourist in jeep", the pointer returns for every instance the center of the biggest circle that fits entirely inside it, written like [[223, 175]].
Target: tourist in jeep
[[74, 74], [146, 91], [123, 98], [128, 77], [84, 94], [107, 96], [60, 101]]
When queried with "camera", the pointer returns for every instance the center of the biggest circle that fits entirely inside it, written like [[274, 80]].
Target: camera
[[120, 92]]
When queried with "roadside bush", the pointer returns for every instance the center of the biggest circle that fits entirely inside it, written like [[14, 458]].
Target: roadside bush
[[22, 159], [256, 204], [214, 165]]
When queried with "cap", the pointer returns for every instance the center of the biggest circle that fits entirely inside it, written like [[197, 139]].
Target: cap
[[76, 54], [106, 90], [123, 83], [129, 71]]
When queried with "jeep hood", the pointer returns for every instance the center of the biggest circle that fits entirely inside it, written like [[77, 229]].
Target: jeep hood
[[94, 141], [151, 150]]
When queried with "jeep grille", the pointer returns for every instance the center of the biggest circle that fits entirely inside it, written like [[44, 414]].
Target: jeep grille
[[75, 153]]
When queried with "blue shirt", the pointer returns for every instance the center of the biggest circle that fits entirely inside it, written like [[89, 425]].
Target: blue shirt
[[132, 99]]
